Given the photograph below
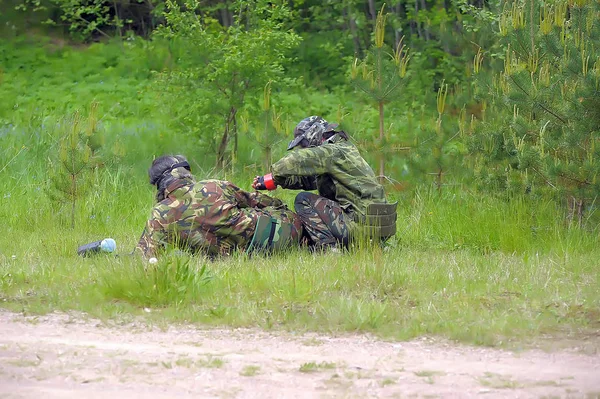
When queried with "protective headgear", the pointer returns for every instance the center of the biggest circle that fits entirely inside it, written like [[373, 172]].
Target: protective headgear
[[311, 132], [165, 170]]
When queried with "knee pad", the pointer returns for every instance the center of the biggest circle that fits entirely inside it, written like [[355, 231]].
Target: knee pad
[[303, 200]]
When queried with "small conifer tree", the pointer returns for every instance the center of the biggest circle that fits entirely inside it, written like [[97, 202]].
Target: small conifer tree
[[270, 129], [381, 78], [220, 68], [70, 169], [435, 149], [549, 88]]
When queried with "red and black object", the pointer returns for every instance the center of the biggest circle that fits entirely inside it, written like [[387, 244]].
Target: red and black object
[[265, 182]]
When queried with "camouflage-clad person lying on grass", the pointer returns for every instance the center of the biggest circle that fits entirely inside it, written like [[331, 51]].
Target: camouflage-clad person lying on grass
[[212, 216], [327, 162]]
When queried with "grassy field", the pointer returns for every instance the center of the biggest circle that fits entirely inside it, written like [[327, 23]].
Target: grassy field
[[461, 268], [464, 265]]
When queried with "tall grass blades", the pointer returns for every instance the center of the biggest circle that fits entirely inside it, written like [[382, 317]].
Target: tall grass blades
[[174, 281]]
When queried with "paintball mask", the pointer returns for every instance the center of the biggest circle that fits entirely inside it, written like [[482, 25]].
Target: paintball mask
[[165, 170], [163, 166], [311, 132]]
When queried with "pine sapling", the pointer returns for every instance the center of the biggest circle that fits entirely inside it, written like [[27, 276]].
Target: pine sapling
[[70, 169], [550, 86], [271, 130], [381, 78]]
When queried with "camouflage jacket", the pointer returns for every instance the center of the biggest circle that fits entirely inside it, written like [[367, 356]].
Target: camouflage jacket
[[212, 216], [336, 170]]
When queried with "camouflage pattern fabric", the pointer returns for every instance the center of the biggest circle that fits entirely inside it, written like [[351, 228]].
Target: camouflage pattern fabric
[[270, 235], [336, 170], [213, 217], [324, 220], [311, 129]]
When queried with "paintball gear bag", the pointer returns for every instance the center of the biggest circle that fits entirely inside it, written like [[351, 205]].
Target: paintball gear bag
[[270, 234]]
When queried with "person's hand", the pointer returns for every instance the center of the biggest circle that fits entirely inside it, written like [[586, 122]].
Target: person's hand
[[259, 183], [265, 182]]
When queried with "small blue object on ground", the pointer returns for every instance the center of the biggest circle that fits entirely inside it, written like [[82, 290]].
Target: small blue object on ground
[[108, 245]]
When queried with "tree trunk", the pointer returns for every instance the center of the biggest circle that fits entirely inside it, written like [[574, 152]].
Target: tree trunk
[[235, 136], [424, 7], [372, 11], [118, 19], [226, 19], [381, 137], [398, 32], [576, 210], [222, 148], [353, 32], [73, 198], [416, 21], [268, 157], [227, 131]]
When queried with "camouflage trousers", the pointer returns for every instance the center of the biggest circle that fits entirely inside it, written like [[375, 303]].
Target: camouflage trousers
[[324, 220]]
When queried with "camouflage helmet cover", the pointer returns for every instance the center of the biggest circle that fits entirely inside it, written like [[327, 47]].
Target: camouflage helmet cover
[[311, 129]]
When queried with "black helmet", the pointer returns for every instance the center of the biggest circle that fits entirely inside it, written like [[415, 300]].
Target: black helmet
[[310, 132], [166, 169], [163, 166]]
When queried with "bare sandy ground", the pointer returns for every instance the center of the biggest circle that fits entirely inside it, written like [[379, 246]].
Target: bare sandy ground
[[61, 356]]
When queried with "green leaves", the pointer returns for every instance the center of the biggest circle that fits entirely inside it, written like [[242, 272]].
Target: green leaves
[[380, 76], [217, 67], [89, 19]]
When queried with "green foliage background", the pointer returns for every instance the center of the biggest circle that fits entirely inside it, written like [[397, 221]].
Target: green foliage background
[[194, 84], [165, 83]]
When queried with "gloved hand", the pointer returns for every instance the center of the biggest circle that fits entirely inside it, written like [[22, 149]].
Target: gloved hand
[[259, 183], [264, 183]]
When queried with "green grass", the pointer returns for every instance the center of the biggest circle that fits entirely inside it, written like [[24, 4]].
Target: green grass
[[497, 381], [208, 361], [250, 371], [428, 373], [421, 284], [388, 381], [211, 362], [310, 367], [465, 266]]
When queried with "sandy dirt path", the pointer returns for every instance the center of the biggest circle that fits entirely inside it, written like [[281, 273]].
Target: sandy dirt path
[[61, 356]]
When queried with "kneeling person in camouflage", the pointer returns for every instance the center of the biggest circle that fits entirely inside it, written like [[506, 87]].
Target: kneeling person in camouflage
[[213, 217], [349, 194]]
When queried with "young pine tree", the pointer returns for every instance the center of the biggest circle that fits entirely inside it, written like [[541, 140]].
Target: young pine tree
[[70, 168], [270, 128], [435, 148], [549, 90], [381, 78]]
